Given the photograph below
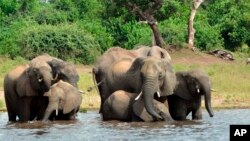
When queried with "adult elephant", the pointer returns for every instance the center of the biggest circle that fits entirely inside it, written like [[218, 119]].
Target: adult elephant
[[21, 86], [25, 85], [191, 85], [147, 76], [115, 54], [61, 70], [124, 106]]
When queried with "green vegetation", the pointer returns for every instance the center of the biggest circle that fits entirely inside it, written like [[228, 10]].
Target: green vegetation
[[80, 30]]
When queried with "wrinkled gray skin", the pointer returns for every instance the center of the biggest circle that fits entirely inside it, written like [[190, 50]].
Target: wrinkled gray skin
[[115, 54], [187, 96], [147, 75], [121, 105], [61, 70], [23, 85], [65, 97]]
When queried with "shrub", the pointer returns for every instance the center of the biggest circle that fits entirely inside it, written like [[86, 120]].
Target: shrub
[[174, 31], [68, 42]]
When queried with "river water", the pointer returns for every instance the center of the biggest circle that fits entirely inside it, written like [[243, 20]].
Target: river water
[[89, 126]]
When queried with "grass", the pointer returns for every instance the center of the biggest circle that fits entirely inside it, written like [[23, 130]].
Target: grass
[[231, 81]]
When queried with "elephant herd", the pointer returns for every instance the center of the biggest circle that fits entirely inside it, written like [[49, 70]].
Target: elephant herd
[[134, 85]]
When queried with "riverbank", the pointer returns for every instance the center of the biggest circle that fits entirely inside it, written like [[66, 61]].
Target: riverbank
[[230, 79]]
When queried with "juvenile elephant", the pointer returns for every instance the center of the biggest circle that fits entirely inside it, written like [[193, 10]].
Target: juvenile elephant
[[65, 97], [143, 75], [115, 54], [121, 105], [191, 85]]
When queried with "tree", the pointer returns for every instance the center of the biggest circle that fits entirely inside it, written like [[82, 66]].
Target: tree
[[191, 30], [145, 10]]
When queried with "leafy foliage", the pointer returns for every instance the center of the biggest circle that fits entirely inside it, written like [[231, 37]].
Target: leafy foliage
[[64, 41], [79, 30]]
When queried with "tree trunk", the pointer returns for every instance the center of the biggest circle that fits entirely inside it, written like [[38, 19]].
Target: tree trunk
[[157, 38], [191, 30]]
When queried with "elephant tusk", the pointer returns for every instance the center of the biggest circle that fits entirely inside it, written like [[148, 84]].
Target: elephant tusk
[[138, 96], [40, 80], [198, 91], [213, 90], [81, 91], [56, 112], [158, 94], [56, 77]]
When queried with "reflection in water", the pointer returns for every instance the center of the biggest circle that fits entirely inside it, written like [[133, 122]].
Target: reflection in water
[[89, 126]]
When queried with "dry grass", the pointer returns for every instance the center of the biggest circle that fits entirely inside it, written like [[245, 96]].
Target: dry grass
[[231, 80]]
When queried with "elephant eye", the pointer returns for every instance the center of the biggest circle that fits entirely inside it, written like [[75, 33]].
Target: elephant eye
[[160, 75]]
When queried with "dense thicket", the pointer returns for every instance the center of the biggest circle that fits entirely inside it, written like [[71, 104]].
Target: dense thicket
[[80, 30]]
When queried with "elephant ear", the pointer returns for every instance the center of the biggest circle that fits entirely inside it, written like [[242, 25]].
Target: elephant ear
[[137, 64], [182, 86], [160, 53], [72, 101]]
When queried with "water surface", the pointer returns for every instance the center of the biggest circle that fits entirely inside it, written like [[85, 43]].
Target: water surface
[[89, 126]]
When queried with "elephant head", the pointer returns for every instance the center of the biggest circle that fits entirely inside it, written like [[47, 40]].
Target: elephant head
[[40, 79], [160, 53], [64, 71], [198, 83], [62, 96], [157, 77]]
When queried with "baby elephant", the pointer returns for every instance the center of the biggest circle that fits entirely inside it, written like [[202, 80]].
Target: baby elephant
[[187, 95], [121, 105], [63, 96]]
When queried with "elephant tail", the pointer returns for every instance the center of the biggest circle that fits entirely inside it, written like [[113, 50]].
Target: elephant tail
[[95, 82]]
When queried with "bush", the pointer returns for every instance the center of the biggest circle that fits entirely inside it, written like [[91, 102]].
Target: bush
[[207, 37], [174, 31], [68, 42], [100, 33]]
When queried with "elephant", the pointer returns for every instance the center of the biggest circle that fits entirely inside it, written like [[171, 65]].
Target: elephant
[[21, 86], [65, 97], [125, 106], [25, 85], [148, 76], [191, 85], [117, 53], [61, 70]]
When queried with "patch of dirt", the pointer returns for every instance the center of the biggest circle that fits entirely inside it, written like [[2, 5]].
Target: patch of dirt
[[84, 68], [187, 56]]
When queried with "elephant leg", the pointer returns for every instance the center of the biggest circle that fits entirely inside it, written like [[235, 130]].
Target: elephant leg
[[24, 109], [43, 103], [197, 114], [177, 108], [105, 93], [11, 113]]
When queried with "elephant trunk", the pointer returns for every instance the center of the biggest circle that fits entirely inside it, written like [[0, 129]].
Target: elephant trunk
[[207, 96], [47, 114], [148, 91], [46, 83]]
